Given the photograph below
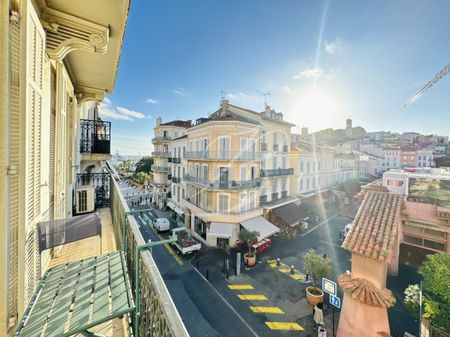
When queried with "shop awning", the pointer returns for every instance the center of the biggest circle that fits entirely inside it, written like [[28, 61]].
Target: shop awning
[[74, 297], [291, 214], [179, 211], [171, 205], [261, 225], [221, 229]]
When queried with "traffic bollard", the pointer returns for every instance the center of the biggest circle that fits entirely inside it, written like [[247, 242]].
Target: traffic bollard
[[278, 261], [292, 270]]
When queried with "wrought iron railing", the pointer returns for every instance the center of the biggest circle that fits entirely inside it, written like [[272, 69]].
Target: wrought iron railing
[[274, 196], [159, 316], [161, 168], [161, 154], [284, 194], [263, 199], [226, 185], [176, 160], [277, 172], [222, 155], [101, 182], [95, 136], [193, 202], [176, 180], [161, 139]]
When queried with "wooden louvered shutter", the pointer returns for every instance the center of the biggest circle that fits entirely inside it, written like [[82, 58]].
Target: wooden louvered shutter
[[34, 89], [52, 159]]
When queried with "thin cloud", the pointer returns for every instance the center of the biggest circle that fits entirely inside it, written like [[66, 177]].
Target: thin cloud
[[308, 73], [335, 47], [151, 101], [180, 92], [108, 111]]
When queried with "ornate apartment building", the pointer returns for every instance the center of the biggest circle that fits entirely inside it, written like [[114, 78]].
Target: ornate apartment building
[[228, 170], [57, 61]]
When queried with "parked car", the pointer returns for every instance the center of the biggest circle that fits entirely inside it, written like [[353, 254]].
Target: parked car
[[161, 224], [185, 243], [346, 230]]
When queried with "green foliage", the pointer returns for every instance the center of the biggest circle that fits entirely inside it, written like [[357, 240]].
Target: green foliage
[[316, 265], [442, 161], [141, 177], [144, 165], [249, 237], [436, 276]]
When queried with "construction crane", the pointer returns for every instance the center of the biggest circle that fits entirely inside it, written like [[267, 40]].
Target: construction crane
[[444, 71]]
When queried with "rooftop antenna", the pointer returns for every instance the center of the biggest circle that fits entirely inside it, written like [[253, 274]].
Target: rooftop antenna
[[222, 94], [265, 94]]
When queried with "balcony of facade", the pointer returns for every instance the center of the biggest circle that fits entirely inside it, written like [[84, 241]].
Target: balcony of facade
[[176, 180], [176, 160], [161, 139], [162, 154], [277, 172], [95, 140], [277, 199], [223, 185], [213, 214], [276, 147], [222, 155], [163, 169]]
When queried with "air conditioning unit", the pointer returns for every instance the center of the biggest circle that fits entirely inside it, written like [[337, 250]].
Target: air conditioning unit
[[85, 199]]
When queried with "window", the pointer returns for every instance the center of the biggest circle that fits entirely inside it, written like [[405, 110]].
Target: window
[[395, 182], [274, 163], [307, 183], [205, 172], [274, 186], [284, 184], [283, 162], [301, 184], [307, 167], [242, 202], [224, 205], [314, 182], [243, 173], [243, 145], [275, 138], [263, 137], [252, 201], [224, 148], [301, 166], [253, 173]]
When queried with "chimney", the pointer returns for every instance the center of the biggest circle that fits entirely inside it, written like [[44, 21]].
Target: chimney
[[224, 106]]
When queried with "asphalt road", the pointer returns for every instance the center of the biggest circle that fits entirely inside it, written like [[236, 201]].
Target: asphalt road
[[202, 309]]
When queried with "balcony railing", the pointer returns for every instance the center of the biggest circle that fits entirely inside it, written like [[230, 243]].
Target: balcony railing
[[225, 155], [277, 172], [176, 180], [284, 194], [95, 136], [274, 196], [161, 168], [263, 199], [176, 160], [166, 154], [226, 185], [159, 315], [101, 182], [206, 210], [161, 139]]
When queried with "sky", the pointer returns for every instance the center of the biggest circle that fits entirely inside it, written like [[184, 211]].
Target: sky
[[322, 61]]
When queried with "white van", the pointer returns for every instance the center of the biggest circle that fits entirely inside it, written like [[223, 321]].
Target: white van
[[161, 224]]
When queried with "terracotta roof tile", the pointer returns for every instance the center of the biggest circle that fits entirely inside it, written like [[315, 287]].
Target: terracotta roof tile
[[179, 123], [366, 292], [375, 226], [376, 188]]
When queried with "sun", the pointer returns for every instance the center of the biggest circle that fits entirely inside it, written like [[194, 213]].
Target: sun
[[316, 108]]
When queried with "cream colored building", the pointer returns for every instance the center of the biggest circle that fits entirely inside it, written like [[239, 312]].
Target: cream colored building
[[57, 60], [162, 155]]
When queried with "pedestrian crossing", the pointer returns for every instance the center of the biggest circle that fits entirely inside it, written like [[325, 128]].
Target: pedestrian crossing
[[265, 309]]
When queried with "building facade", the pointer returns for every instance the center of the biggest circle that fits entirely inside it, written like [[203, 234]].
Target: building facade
[[58, 60]]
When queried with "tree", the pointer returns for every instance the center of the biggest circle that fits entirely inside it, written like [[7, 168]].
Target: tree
[[442, 161], [316, 265], [144, 165], [141, 177], [435, 273], [248, 237]]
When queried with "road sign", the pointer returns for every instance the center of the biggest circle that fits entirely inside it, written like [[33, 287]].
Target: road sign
[[329, 286], [335, 301]]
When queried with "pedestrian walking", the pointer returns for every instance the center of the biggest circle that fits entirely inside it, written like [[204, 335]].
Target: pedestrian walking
[[318, 315]]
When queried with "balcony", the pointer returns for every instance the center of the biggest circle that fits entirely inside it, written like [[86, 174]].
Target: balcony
[[160, 168], [263, 147], [276, 147], [223, 185], [277, 172], [176, 180], [284, 194], [176, 160], [222, 155], [95, 139], [263, 199], [274, 196], [100, 182], [162, 154], [161, 139]]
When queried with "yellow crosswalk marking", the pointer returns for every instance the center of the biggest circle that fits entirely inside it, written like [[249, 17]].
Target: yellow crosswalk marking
[[253, 297], [284, 326], [284, 270], [297, 276], [273, 265], [267, 310], [271, 261], [240, 286]]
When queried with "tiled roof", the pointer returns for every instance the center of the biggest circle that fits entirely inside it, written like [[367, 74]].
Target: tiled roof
[[375, 226], [376, 188], [179, 123], [182, 137], [366, 292]]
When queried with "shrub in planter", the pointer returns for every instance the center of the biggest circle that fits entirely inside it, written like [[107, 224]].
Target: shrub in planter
[[249, 237], [317, 267]]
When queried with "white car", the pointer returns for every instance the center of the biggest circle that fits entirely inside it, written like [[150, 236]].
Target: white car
[[161, 224], [346, 229]]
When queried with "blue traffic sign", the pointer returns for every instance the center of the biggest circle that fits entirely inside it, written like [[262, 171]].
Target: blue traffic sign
[[335, 301]]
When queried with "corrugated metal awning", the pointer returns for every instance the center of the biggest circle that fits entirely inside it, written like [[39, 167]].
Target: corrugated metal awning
[[221, 229], [74, 297], [179, 211], [171, 205], [260, 225]]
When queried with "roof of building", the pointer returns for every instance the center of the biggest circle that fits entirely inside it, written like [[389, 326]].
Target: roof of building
[[375, 187], [260, 114], [291, 214], [229, 116], [178, 123], [375, 226], [364, 291]]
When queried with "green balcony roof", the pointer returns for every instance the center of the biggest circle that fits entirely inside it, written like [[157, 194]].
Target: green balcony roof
[[77, 296]]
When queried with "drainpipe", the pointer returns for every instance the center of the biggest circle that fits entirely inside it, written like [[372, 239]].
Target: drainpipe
[[137, 288]]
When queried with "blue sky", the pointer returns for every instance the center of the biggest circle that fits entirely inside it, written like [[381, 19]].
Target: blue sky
[[322, 62]]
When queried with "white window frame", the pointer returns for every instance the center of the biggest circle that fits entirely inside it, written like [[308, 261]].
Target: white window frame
[[227, 195]]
